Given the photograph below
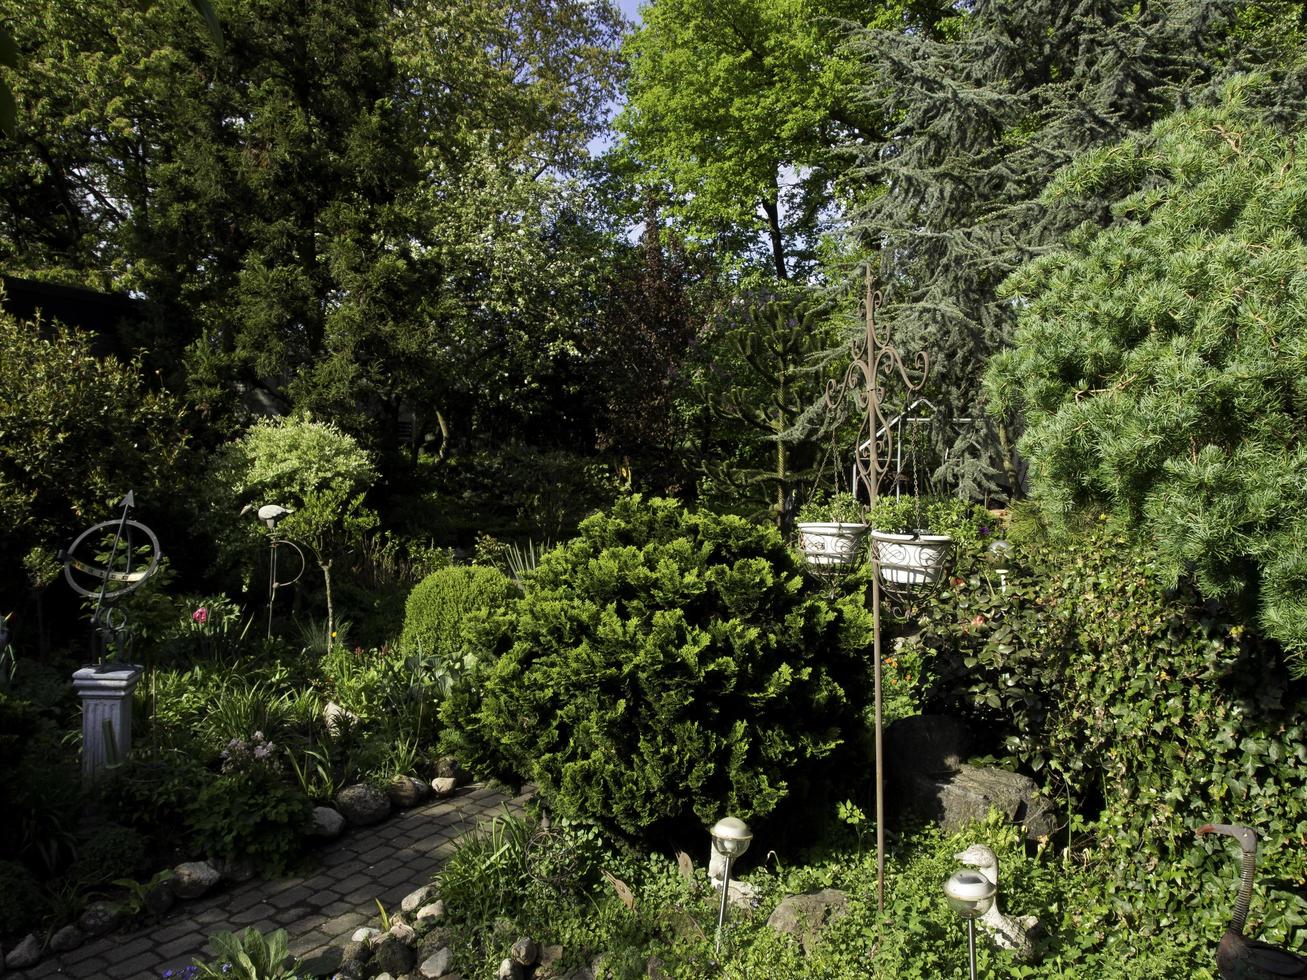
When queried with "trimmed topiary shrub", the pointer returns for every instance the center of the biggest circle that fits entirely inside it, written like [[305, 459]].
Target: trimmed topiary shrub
[[437, 606], [666, 668]]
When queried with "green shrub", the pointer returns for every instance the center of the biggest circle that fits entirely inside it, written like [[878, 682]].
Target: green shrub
[[250, 812], [110, 851], [1144, 711], [666, 668], [438, 605], [20, 898]]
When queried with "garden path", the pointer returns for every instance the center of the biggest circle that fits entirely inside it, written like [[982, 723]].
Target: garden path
[[318, 910]]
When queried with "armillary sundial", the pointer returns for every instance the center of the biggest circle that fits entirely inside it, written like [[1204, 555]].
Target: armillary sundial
[[106, 562]]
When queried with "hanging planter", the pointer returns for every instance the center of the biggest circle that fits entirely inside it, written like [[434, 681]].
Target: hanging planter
[[828, 544], [910, 561]]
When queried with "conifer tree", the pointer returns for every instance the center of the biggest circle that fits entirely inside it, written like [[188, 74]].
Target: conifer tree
[[986, 117], [1159, 364]]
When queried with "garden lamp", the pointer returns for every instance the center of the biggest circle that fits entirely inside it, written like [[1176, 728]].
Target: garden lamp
[[970, 894], [1000, 553], [731, 837]]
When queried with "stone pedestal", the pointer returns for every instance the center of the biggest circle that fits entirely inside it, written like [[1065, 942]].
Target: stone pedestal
[[106, 694]]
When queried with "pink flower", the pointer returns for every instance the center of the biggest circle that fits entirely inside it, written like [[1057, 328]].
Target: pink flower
[[200, 615]]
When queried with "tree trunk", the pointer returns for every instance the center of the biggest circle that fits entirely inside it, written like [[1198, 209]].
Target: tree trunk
[[1009, 463], [771, 209]]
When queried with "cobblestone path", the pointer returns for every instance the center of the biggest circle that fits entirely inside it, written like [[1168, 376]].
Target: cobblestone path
[[318, 910]]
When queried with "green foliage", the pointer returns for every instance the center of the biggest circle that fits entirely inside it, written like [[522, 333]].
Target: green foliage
[[1158, 363], [839, 508], [109, 851], [250, 813], [753, 375], [984, 113], [249, 955], [20, 897], [665, 668], [438, 605], [1142, 712], [76, 433], [728, 103]]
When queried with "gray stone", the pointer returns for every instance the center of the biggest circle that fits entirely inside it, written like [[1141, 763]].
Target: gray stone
[[803, 915], [653, 969], [191, 879], [352, 970], [433, 912], [66, 939], [160, 897], [101, 917], [364, 934], [26, 953], [444, 786], [362, 805], [391, 955], [357, 949], [402, 931], [383, 976], [509, 970], [324, 964], [236, 871], [327, 823], [447, 767], [338, 719], [405, 791], [525, 951], [438, 963], [966, 797], [417, 898]]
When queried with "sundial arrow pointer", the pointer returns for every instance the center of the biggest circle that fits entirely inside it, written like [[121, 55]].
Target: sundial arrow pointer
[[128, 502]]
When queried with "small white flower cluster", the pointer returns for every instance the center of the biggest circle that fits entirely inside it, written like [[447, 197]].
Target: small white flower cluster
[[240, 752]]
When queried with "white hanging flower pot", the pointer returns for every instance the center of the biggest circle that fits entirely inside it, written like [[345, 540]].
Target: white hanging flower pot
[[910, 561], [827, 544]]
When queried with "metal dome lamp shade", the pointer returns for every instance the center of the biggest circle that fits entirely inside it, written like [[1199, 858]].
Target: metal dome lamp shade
[[970, 894], [731, 837]]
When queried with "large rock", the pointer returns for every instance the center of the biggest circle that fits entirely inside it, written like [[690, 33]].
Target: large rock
[[438, 964], [66, 939], [804, 915], [525, 951], [327, 823], [417, 898], [26, 953], [362, 805], [510, 970], [433, 912], [405, 791], [191, 879], [391, 955], [443, 786], [101, 917], [160, 896], [924, 763], [447, 767]]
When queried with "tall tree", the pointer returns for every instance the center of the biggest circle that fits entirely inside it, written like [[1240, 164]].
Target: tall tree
[[983, 120], [336, 212], [735, 106]]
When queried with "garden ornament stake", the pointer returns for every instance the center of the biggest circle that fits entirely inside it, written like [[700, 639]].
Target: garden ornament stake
[[130, 554], [271, 515], [970, 894], [1007, 931], [1236, 956], [730, 838], [877, 362]]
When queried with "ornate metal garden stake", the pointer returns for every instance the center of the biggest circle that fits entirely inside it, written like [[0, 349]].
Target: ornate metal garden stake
[[873, 356]]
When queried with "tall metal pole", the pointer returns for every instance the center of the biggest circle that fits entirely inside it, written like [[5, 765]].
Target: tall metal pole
[[873, 355]]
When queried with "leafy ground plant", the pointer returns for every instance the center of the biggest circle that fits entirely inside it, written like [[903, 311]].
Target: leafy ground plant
[[249, 956]]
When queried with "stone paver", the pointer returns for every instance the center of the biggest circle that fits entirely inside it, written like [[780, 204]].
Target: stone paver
[[318, 909]]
